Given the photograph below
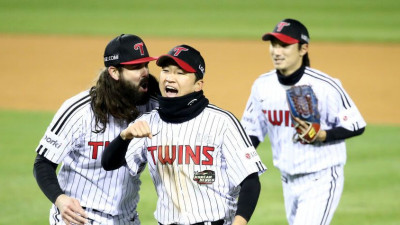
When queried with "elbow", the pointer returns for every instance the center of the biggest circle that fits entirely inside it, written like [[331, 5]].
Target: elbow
[[34, 170], [106, 166]]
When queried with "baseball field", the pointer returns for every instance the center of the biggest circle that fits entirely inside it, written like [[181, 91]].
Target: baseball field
[[51, 50]]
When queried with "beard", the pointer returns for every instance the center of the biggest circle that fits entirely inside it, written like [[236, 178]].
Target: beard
[[131, 92]]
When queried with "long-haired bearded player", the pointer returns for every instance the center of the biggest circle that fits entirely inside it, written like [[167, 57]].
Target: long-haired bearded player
[[83, 192]]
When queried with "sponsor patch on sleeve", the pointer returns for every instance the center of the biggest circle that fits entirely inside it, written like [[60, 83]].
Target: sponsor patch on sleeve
[[53, 142], [250, 153], [348, 117]]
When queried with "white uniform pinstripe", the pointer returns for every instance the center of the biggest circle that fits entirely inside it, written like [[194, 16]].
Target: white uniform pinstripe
[[196, 165], [267, 112], [69, 140]]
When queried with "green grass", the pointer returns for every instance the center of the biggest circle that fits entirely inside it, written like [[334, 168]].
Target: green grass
[[340, 20], [372, 178], [21, 201]]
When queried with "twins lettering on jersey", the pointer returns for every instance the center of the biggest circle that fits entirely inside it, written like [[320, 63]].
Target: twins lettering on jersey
[[95, 147], [278, 117], [184, 154]]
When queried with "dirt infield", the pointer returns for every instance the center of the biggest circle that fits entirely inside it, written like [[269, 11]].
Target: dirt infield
[[40, 72]]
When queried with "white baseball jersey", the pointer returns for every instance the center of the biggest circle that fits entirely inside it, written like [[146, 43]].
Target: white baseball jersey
[[196, 166], [70, 140], [267, 112]]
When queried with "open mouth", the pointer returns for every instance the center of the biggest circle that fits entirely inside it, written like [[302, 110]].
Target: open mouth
[[144, 85], [171, 91]]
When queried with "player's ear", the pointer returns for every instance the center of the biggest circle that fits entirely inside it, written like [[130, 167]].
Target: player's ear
[[113, 71], [198, 86], [303, 49]]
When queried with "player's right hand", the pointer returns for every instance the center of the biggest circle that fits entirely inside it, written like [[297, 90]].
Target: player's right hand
[[138, 129], [71, 210]]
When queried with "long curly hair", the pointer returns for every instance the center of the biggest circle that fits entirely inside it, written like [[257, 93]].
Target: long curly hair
[[117, 98]]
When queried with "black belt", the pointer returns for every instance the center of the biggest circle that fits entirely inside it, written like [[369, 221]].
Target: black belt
[[97, 211], [218, 222]]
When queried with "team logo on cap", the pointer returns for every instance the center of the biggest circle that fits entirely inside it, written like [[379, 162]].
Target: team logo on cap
[[281, 25], [178, 50], [139, 46]]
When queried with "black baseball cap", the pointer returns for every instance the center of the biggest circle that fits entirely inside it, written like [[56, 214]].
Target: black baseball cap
[[126, 49], [289, 31], [187, 58]]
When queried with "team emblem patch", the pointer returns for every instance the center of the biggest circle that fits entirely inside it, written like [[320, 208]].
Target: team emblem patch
[[204, 177]]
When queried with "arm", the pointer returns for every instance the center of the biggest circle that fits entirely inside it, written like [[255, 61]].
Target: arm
[[114, 154], [45, 173], [254, 141], [337, 133], [248, 197], [253, 120]]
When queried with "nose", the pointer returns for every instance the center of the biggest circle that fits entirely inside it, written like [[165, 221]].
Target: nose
[[169, 78], [144, 71], [276, 50]]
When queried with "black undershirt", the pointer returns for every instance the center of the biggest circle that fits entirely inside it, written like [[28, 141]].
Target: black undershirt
[[291, 79], [248, 196], [114, 154], [45, 173]]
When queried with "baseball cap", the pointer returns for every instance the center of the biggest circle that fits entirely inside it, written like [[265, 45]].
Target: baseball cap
[[289, 31], [187, 58], [126, 49]]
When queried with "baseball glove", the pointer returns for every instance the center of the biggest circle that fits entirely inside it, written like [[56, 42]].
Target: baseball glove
[[303, 104]]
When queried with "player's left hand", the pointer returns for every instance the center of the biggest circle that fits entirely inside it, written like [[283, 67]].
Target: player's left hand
[[302, 127], [71, 210]]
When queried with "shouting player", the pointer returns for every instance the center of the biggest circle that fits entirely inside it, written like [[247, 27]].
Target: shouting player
[[199, 157], [312, 174], [81, 129]]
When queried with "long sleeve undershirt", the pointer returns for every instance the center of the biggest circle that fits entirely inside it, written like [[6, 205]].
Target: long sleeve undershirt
[[45, 173], [338, 133]]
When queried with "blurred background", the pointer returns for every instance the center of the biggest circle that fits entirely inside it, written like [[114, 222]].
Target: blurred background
[[51, 50]]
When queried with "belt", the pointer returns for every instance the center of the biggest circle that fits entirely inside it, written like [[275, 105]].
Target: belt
[[96, 211], [218, 222], [108, 215]]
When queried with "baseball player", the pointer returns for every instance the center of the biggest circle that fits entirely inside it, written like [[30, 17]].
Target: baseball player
[[84, 193], [312, 174], [199, 157]]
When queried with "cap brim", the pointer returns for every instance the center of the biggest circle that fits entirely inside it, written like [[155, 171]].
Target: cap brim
[[284, 38], [182, 64], [138, 61]]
